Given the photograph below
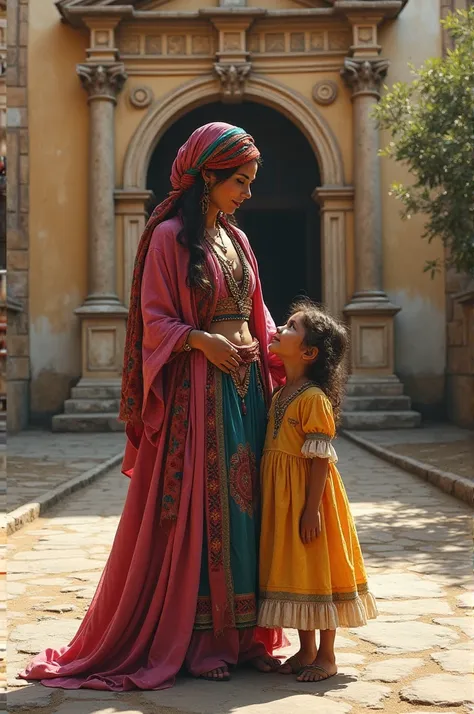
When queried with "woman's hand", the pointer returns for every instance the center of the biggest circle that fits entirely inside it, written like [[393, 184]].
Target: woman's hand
[[310, 525], [217, 349]]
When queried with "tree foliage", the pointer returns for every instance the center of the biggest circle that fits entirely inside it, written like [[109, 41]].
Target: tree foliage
[[431, 122]]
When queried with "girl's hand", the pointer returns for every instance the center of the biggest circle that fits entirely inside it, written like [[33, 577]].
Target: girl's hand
[[310, 526], [221, 353]]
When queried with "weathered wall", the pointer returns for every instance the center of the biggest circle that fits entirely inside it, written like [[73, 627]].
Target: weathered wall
[[18, 204], [420, 326], [58, 204]]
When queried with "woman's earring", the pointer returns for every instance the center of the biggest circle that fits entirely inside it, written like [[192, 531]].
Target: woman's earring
[[205, 199]]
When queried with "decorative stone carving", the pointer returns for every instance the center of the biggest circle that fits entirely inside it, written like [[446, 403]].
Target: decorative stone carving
[[153, 45], [232, 41], [297, 42], [232, 79], [365, 76], [339, 40], [275, 42], [325, 92], [141, 97], [316, 41], [365, 35], [201, 45], [102, 38], [102, 81], [176, 45], [129, 45]]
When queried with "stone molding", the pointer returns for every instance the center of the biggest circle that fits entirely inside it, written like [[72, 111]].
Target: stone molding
[[325, 92], [207, 89], [365, 76], [102, 81]]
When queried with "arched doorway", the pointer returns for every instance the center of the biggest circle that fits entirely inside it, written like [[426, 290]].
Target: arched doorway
[[281, 220]]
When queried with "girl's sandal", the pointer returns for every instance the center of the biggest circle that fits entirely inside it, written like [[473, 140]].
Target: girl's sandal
[[315, 668], [295, 664]]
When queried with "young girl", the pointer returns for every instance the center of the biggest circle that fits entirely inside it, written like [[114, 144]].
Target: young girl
[[312, 574]]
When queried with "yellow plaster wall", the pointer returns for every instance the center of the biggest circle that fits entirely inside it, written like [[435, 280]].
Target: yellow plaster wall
[[58, 121], [420, 326]]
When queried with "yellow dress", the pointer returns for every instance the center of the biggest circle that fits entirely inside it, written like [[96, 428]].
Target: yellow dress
[[323, 585]]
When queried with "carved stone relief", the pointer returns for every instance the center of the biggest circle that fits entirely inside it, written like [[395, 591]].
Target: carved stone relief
[[201, 45], [365, 76], [297, 42], [253, 43], [232, 41], [153, 45], [176, 44], [141, 97], [102, 80], [316, 41], [339, 40], [325, 92], [129, 45], [275, 42], [232, 77]]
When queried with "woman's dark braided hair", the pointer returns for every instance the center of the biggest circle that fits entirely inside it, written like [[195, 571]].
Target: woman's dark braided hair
[[331, 338]]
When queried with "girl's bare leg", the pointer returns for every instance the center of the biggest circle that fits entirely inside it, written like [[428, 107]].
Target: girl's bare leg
[[306, 654], [324, 664]]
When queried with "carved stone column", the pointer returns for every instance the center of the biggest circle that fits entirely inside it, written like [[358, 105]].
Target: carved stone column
[[102, 83], [94, 402], [373, 384]]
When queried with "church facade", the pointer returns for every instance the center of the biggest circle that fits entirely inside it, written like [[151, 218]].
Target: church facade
[[101, 94]]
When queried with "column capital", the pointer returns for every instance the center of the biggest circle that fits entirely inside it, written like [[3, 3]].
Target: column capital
[[102, 81], [365, 76]]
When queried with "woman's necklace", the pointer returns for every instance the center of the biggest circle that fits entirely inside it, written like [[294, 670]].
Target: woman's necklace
[[221, 243]]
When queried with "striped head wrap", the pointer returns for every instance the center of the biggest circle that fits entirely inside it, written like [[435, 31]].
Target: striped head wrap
[[213, 146]]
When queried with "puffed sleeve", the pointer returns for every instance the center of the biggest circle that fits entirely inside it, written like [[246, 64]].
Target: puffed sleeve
[[317, 422]]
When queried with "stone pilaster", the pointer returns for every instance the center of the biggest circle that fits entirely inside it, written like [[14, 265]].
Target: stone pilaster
[[103, 316], [375, 394]]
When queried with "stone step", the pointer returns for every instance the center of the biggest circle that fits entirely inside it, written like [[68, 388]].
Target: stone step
[[91, 406], [373, 420], [99, 392], [87, 422], [398, 403], [374, 387]]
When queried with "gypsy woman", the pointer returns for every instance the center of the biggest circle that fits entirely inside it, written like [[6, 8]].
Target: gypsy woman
[[179, 588]]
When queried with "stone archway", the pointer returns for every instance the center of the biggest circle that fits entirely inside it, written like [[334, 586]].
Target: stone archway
[[335, 197]]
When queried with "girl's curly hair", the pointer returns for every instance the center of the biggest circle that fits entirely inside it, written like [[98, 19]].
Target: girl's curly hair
[[331, 338]]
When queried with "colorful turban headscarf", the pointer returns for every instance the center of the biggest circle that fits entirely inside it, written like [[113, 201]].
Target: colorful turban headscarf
[[212, 146]]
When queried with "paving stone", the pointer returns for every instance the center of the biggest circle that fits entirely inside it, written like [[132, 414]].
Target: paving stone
[[390, 586], [466, 624], [414, 607], [57, 608], [457, 661], [350, 658], [391, 670], [465, 601], [401, 637], [96, 708], [365, 694], [36, 636], [15, 589], [249, 693], [440, 690], [48, 555], [48, 582], [29, 698], [52, 566]]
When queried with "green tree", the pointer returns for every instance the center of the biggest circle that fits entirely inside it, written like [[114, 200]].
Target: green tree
[[431, 122]]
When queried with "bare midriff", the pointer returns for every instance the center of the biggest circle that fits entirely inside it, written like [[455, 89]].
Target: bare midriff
[[236, 331]]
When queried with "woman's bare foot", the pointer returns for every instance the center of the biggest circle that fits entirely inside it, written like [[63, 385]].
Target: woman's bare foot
[[220, 674], [265, 663], [294, 664], [322, 668]]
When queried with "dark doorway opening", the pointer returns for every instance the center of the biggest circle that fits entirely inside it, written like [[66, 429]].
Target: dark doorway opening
[[281, 219]]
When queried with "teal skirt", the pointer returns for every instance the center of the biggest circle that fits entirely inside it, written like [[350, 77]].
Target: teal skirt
[[242, 423]]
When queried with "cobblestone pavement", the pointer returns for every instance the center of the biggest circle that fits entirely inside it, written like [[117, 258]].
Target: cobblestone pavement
[[415, 657], [40, 460], [445, 446]]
